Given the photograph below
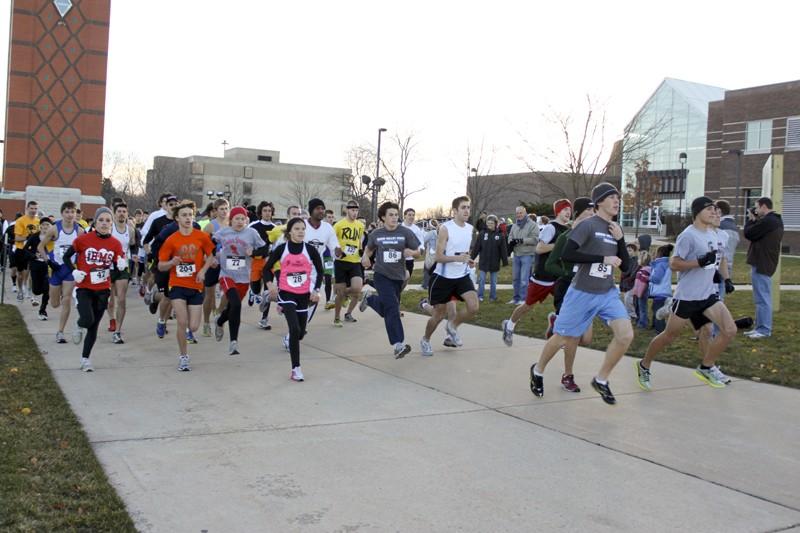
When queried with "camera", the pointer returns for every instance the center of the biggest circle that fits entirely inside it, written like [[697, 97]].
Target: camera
[[752, 211]]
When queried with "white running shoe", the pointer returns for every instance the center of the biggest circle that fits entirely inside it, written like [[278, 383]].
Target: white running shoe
[[363, 304], [264, 324], [717, 373], [664, 311], [60, 338], [453, 332], [233, 348], [77, 335], [86, 365], [297, 374], [425, 347], [183, 363]]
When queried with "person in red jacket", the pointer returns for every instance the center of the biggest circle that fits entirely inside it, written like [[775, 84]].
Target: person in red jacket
[[97, 252]]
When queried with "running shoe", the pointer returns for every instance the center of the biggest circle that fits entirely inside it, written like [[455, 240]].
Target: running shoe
[[142, 291], [551, 322], [330, 305], [453, 332], [250, 299], [264, 304], [161, 329], [349, 318], [757, 335], [264, 324], [448, 341], [60, 338], [183, 363], [604, 391], [508, 335], [206, 329], [425, 347], [401, 349], [568, 383], [286, 342], [20, 297], [43, 316], [190, 337], [77, 335], [116, 338], [537, 383], [34, 301], [219, 331], [233, 348], [363, 304], [147, 295], [112, 325], [422, 303], [337, 323], [297, 374], [664, 310], [709, 376], [643, 376], [719, 375], [153, 307], [86, 365]]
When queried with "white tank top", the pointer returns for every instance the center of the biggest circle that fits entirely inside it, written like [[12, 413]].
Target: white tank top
[[63, 241], [123, 238], [459, 240]]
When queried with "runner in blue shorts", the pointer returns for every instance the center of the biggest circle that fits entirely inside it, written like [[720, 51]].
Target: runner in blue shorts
[[596, 246]]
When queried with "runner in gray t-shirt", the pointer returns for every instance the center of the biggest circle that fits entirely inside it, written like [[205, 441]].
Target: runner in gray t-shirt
[[698, 254], [388, 244], [595, 246]]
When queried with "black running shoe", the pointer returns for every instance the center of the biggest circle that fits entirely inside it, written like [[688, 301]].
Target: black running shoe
[[153, 307], [537, 384], [604, 391]]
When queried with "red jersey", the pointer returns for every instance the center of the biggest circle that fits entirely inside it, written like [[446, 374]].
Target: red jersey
[[96, 255], [192, 250]]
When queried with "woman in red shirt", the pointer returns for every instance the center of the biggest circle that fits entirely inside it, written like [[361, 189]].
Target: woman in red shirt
[[96, 253]]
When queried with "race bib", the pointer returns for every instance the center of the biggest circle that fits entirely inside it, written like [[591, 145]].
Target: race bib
[[59, 252], [98, 276], [185, 270], [296, 279], [350, 250], [601, 270], [392, 256], [235, 262], [328, 264]]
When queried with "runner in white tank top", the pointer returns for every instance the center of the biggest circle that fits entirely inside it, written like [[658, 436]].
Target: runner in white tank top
[[124, 231], [451, 278]]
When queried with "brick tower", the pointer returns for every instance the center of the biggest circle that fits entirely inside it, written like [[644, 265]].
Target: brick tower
[[56, 101]]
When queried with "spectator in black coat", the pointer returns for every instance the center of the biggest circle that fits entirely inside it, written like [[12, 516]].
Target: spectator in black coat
[[490, 245]]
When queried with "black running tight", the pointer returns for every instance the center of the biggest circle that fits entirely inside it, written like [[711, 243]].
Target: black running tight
[[295, 309], [232, 313], [91, 307]]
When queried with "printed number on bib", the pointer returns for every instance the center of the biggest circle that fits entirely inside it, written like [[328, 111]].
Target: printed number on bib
[[98, 276], [601, 270], [235, 262], [59, 253], [296, 279], [185, 270], [350, 250], [328, 264], [392, 256]]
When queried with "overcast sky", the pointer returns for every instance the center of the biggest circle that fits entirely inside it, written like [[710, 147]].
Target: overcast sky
[[313, 78]]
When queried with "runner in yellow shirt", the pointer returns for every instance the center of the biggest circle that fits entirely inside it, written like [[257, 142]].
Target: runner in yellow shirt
[[347, 269], [24, 227]]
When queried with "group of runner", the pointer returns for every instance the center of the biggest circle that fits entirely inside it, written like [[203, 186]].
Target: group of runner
[[183, 264]]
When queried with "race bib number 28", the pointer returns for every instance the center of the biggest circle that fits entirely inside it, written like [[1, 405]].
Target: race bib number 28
[[601, 270]]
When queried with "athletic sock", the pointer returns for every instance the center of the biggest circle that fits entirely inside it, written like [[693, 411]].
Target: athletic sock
[[601, 381], [536, 370], [704, 367], [510, 325]]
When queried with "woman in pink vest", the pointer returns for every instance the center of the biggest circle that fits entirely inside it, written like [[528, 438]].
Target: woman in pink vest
[[299, 273]]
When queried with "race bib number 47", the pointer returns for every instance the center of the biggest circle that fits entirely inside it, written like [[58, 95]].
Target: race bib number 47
[[601, 270], [98, 276]]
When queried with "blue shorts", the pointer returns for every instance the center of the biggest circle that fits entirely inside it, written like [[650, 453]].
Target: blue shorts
[[580, 307], [192, 296], [57, 277]]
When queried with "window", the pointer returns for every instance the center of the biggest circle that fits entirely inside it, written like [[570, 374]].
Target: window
[[267, 158], [759, 136], [750, 197], [198, 184], [247, 188], [198, 168], [793, 132], [248, 172]]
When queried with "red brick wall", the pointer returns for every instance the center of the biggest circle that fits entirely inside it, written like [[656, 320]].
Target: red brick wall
[[56, 97]]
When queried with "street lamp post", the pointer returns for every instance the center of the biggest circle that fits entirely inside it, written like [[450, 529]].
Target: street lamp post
[[378, 183], [682, 158]]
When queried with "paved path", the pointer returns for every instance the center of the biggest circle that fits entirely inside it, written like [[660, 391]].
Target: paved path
[[508, 286], [455, 442]]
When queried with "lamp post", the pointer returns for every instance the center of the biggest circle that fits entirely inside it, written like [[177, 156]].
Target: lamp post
[[682, 158], [738, 180], [377, 183]]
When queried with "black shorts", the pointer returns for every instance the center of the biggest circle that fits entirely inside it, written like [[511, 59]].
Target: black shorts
[[693, 310], [344, 271], [442, 289], [560, 291], [19, 260], [192, 296], [162, 281], [212, 277], [410, 266]]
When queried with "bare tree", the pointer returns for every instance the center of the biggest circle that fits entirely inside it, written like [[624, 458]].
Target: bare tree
[[641, 191], [169, 175], [396, 163], [126, 175], [302, 189], [486, 191], [361, 161]]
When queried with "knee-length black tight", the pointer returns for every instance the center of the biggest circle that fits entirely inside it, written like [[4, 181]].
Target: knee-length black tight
[[91, 307]]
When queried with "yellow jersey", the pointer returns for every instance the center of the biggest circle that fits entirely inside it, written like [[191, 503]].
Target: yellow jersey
[[25, 226], [351, 236]]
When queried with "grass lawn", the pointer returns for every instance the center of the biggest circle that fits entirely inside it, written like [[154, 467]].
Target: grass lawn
[[790, 271], [50, 479], [772, 360]]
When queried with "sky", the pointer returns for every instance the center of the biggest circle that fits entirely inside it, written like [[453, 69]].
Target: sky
[[312, 79]]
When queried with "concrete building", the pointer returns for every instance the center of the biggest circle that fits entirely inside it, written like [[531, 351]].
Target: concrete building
[[248, 176], [745, 128], [672, 121], [56, 103]]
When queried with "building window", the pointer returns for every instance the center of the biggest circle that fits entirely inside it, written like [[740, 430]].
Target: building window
[[198, 168], [759, 136], [267, 158], [198, 185], [248, 172], [247, 188], [793, 132], [750, 197]]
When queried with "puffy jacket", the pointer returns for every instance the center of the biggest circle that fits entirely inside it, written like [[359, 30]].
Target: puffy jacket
[[660, 278], [491, 247]]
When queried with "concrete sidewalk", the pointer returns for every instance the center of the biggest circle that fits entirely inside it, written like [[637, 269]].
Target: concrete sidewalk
[[454, 442]]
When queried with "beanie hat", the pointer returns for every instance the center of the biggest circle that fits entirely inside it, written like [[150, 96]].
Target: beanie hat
[[238, 210], [581, 204], [314, 203], [700, 203], [601, 191], [560, 205], [101, 210]]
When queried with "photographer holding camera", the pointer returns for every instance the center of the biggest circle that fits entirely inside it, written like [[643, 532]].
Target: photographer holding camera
[[764, 230]]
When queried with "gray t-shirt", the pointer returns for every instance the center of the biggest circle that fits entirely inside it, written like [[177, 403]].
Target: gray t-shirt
[[593, 237], [389, 246], [698, 283], [232, 255]]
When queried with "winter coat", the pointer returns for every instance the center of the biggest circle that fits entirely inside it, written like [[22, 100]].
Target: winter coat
[[529, 233], [765, 236], [660, 278], [491, 247]]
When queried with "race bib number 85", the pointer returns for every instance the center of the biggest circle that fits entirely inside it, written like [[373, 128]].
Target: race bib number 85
[[601, 270]]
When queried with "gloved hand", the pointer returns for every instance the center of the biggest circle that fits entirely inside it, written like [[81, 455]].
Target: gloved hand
[[78, 275], [122, 263], [517, 241], [705, 260], [729, 288], [717, 277]]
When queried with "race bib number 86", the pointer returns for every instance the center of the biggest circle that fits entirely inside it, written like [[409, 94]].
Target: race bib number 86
[[391, 256]]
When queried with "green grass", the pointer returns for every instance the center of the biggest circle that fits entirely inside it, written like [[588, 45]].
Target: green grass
[[772, 360], [790, 271], [50, 479]]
